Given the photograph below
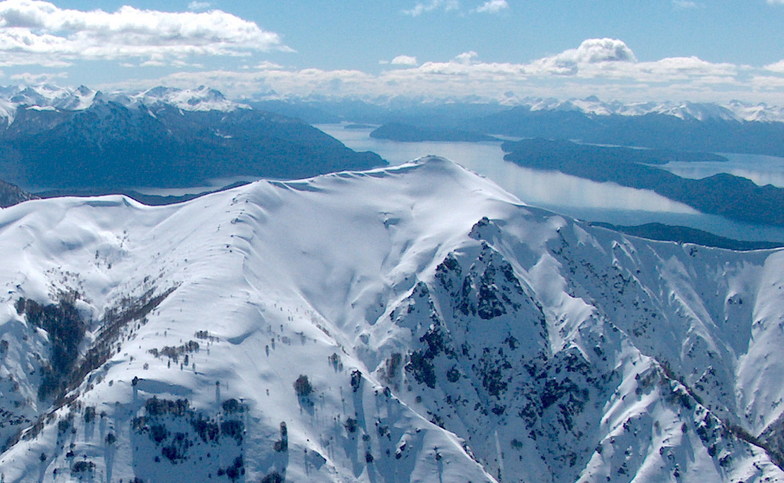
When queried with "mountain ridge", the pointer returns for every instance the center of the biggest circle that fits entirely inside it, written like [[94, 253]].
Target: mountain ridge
[[161, 137], [446, 111], [396, 339]]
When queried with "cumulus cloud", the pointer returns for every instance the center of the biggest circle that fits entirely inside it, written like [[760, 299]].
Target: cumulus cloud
[[777, 67], [492, 6], [404, 60], [39, 32], [432, 5], [612, 59], [591, 51], [597, 50], [466, 57]]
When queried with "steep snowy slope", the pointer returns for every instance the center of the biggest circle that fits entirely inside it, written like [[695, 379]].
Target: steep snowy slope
[[413, 323]]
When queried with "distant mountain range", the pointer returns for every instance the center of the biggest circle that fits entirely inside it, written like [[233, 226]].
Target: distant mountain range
[[734, 127], [697, 111], [79, 138], [421, 112], [651, 130]]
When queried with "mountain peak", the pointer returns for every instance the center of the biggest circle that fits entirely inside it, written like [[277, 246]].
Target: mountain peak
[[364, 325], [700, 111], [46, 96], [199, 99]]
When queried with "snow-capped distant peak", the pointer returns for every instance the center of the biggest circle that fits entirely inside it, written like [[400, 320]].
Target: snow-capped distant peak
[[7, 111], [200, 99], [45, 97], [756, 112], [699, 111]]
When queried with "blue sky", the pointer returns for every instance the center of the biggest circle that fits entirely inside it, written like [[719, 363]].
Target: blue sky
[[376, 49]]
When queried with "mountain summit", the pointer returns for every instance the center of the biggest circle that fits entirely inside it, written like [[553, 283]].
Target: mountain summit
[[409, 323]]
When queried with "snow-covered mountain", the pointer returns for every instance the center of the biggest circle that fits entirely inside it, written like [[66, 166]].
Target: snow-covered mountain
[[202, 98], [414, 323], [50, 97], [55, 138], [199, 99], [698, 111]]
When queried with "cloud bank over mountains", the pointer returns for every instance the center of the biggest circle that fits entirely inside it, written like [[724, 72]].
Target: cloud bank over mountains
[[184, 47], [607, 67]]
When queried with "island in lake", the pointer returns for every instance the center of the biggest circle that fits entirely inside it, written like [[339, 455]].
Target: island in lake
[[408, 133], [721, 194], [685, 234]]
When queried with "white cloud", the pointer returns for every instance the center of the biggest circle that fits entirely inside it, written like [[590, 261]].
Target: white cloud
[[776, 67], [404, 60], [486, 6], [432, 5], [38, 32], [34, 79], [612, 59], [776, 2], [199, 5], [598, 50], [607, 67], [591, 51], [769, 82], [492, 6], [267, 65], [683, 68], [467, 57]]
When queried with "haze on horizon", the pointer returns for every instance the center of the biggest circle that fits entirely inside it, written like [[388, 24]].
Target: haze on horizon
[[475, 50]]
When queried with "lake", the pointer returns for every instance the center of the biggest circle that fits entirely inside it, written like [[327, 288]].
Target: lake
[[580, 198]]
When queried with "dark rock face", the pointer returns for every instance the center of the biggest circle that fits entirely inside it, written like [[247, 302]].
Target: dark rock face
[[11, 195]]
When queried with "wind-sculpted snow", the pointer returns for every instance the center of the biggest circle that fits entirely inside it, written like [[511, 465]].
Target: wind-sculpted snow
[[414, 323]]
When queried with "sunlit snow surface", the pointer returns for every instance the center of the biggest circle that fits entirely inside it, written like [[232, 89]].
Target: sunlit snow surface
[[493, 340]]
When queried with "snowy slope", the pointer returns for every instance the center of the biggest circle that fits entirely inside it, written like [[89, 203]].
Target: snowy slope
[[445, 331]]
